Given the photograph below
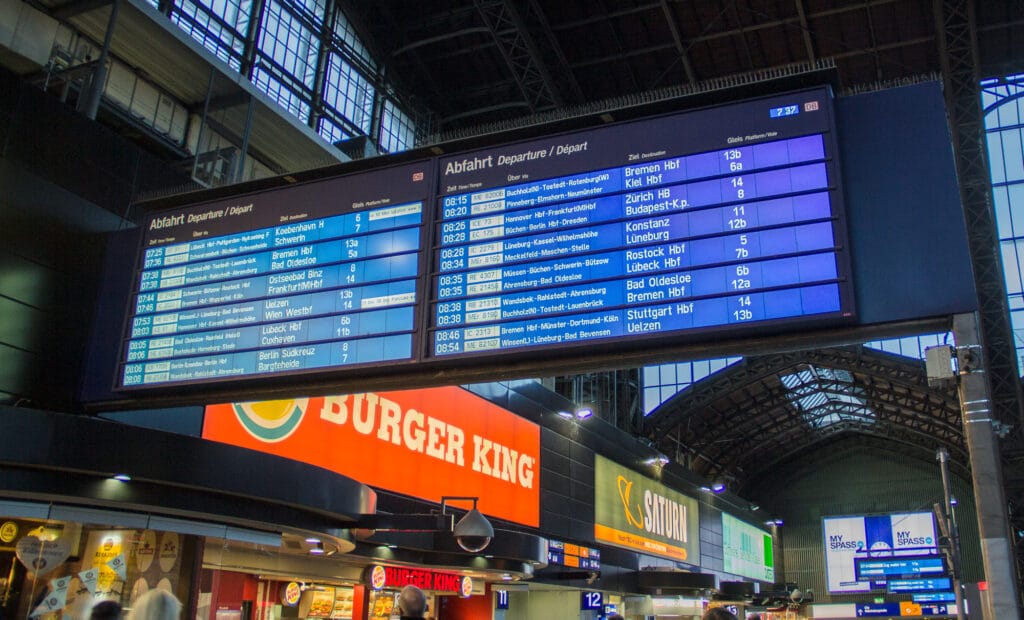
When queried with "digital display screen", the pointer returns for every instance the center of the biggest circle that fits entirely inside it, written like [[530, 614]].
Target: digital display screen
[[306, 278], [919, 585], [747, 551], [718, 219], [670, 229], [898, 567], [575, 556]]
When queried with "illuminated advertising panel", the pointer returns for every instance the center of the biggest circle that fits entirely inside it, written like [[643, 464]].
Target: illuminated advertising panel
[[637, 513], [424, 443], [747, 551], [882, 536]]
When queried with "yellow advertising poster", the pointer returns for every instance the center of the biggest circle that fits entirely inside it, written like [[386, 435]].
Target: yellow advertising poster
[[638, 513]]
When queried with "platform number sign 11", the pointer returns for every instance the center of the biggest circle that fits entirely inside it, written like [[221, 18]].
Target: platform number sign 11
[[591, 601], [501, 599]]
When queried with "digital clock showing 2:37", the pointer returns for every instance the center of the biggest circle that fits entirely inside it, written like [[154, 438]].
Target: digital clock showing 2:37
[[786, 110], [591, 601]]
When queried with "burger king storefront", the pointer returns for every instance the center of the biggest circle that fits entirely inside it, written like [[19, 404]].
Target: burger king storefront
[[263, 511], [325, 507]]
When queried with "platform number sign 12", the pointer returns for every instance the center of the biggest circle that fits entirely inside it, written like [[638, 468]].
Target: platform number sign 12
[[591, 601]]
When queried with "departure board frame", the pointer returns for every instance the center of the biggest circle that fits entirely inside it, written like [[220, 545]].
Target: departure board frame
[[305, 279], [714, 223], [680, 227]]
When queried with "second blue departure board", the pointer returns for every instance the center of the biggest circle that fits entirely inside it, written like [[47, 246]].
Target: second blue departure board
[[719, 218], [303, 279]]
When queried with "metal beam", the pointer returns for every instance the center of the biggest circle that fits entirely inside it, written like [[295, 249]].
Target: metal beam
[[806, 31], [683, 50], [408, 47], [520, 53]]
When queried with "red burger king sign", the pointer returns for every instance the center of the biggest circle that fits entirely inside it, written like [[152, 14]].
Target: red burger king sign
[[416, 442]]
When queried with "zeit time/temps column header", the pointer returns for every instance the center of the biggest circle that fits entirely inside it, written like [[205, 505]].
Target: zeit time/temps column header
[[713, 220]]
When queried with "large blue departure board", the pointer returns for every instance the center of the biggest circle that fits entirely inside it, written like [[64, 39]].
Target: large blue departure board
[[720, 221], [308, 278], [716, 219]]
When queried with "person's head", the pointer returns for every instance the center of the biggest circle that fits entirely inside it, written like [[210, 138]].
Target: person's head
[[105, 610], [155, 605], [719, 613], [615, 617], [412, 602]]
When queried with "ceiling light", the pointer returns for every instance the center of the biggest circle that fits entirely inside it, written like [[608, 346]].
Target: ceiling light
[[313, 540], [718, 487], [584, 412], [122, 477], [318, 549], [566, 414]]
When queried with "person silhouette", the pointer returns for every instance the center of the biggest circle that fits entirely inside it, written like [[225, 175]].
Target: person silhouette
[[412, 602]]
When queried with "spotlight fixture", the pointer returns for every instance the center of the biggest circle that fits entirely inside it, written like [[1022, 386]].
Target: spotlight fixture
[[122, 477], [318, 549], [312, 540], [718, 487], [952, 501], [705, 489], [566, 414], [754, 508], [584, 412]]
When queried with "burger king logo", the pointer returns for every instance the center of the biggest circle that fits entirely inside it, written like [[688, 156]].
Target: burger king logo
[[271, 421], [291, 593], [466, 586], [377, 577]]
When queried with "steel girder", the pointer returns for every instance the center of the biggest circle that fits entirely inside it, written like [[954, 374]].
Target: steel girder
[[955, 20]]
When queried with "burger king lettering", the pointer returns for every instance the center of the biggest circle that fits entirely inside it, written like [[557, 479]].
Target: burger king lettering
[[414, 442], [377, 416], [397, 577]]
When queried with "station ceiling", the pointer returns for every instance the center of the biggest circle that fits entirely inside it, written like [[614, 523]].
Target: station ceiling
[[474, 62]]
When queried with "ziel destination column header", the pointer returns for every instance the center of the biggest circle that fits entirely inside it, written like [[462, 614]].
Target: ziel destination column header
[[717, 219], [301, 279]]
